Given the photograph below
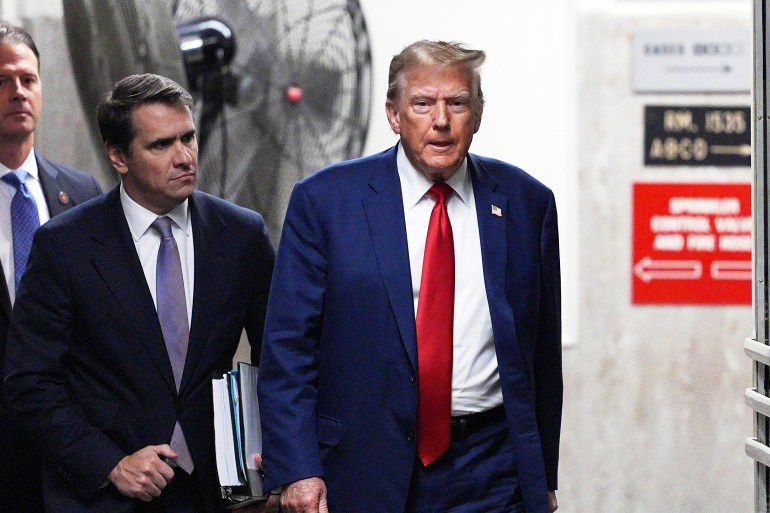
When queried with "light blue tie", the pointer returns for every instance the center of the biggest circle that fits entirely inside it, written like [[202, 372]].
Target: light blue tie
[[24, 221], [172, 314]]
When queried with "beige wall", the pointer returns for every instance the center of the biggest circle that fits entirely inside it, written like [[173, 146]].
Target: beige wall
[[655, 418]]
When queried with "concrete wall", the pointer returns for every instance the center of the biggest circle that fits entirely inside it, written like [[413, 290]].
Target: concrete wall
[[654, 417], [63, 134]]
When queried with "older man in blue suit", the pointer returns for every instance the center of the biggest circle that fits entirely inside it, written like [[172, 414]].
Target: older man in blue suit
[[412, 351]]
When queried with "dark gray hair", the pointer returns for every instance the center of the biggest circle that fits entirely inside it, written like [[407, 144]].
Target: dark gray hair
[[436, 53], [116, 119], [13, 35]]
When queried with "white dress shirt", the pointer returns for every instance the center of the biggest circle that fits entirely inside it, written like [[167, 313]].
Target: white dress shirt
[[7, 192], [147, 242], [475, 376]]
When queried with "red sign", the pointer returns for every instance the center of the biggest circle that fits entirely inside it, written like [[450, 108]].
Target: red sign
[[692, 244]]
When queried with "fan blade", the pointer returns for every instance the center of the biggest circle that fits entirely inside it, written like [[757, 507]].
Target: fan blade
[[110, 40], [303, 101]]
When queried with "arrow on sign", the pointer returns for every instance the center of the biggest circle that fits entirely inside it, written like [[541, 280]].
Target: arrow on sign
[[731, 269], [648, 269], [725, 68], [744, 150]]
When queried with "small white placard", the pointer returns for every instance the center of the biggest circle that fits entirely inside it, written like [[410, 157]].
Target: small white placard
[[693, 61]]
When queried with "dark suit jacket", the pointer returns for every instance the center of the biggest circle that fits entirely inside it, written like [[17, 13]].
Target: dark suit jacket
[[19, 460], [87, 366], [338, 390]]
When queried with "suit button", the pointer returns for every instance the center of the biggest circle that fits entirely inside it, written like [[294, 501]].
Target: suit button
[[412, 378], [410, 436]]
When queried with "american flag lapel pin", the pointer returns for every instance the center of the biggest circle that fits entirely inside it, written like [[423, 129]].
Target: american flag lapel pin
[[497, 211]]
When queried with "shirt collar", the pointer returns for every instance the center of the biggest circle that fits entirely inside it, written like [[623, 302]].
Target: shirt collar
[[414, 184], [139, 218], [29, 165]]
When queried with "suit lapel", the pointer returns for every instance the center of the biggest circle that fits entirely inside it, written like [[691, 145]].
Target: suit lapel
[[117, 263], [210, 279], [492, 213], [385, 216], [5, 296], [56, 198]]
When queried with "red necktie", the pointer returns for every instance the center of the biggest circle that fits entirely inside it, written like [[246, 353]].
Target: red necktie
[[435, 320]]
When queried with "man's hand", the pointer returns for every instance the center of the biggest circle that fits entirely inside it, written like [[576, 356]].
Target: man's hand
[[553, 504], [304, 496], [144, 474]]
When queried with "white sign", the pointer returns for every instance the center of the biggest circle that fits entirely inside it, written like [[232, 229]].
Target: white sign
[[693, 61]]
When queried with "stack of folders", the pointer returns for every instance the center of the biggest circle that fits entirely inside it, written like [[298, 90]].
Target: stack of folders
[[238, 436]]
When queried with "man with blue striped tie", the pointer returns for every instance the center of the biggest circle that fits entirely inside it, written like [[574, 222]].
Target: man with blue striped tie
[[32, 189]]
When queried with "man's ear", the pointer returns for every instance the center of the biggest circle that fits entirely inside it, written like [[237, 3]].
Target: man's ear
[[477, 121], [392, 112], [117, 158]]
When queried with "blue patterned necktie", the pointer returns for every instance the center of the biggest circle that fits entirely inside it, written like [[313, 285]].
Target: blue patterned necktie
[[24, 221], [172, 314]]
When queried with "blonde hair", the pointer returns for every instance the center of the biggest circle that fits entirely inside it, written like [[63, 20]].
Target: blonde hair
[[437, 53]]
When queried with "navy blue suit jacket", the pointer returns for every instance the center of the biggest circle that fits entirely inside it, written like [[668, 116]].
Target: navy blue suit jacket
[[338, 389], [19, 460], [87, 366]]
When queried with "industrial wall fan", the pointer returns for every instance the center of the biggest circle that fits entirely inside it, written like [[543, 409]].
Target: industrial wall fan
[[282, 86]]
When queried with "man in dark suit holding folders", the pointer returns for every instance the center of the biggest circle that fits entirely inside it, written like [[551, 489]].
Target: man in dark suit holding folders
[[129, 304]]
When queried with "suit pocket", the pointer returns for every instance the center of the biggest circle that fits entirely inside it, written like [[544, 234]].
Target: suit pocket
[[329, 430]]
